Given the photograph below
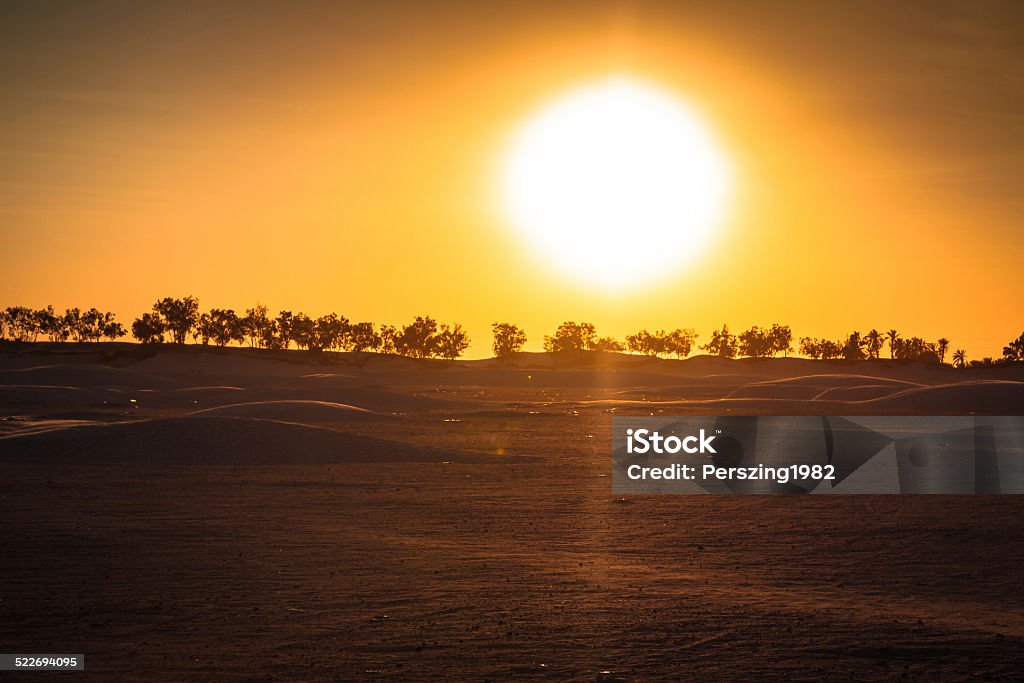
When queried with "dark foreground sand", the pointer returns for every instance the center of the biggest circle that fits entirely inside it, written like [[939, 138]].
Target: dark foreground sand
[[464, 527]]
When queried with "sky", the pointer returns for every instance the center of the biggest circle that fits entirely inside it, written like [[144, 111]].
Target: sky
[[343, 157]]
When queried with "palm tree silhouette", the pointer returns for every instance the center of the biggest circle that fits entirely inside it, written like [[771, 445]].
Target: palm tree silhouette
[[875, 340], [959, 358], [943, 346], [894, 337]]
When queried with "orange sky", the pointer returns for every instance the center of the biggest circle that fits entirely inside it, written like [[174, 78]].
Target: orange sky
[[331, 157]]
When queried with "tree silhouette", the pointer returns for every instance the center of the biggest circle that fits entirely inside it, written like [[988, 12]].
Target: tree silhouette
[[755, 343], [75, 324], [22, 323], [222, 326], [853, 348], [781, 339], [915, 348], [204, 329], [149, 328], [94, 325], [570, 337], [810, 347], [388, 335], [361, 337], [91, 324], [874, 341], [285, 334], [179, 316], [607, 344], [894, 339], [508, 340], [451, 342], [425, 338], [646, 343], [301, 328], [26, 324], [418, 339], [54, 326], [678, 342], [114, 330], [823, 349], [329, 332], [258, 328], [1015, 349], [722, 343], [763, 342]]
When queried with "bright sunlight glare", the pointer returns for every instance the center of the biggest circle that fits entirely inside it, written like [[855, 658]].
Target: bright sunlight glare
[[617, 183]]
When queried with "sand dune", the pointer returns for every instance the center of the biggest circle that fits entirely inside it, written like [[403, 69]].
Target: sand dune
[[51, 400], [212, 362], [122, 528], [25, 426], [699, 388], [862, 392], [371, 398], [811, 386], [993, 397], [18, 398], [215, 440], [305, 389], [201, 390], [838, 380], [83, 376], [302, 412]]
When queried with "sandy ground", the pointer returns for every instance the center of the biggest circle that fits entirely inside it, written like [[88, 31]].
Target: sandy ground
[[204, 515]]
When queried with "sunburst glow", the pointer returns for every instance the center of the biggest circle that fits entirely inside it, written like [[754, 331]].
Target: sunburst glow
[[617, 183]]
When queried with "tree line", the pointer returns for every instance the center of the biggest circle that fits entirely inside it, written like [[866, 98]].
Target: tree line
[[178, 320], [28, 325], [756, 342]]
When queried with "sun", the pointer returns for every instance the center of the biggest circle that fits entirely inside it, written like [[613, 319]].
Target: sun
[[618, 183]]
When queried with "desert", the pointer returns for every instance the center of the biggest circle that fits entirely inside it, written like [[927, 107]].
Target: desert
[[233, 514], [324, 325]]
